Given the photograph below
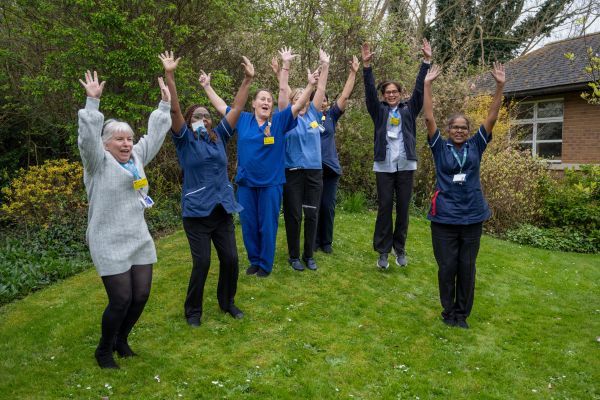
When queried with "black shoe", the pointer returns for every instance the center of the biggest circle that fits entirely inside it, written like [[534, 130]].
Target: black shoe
[[449, 322], [296, 264], [310, 263], [194, 322], [461, 323], [122, 348], [262, 273], [251, 270], [327, 249], [235, 312], [104, 356]]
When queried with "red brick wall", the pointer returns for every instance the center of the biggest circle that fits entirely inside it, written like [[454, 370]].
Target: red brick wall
[[581, 131]]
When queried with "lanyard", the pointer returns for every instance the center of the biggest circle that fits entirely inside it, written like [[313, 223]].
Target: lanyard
[[130, 166], [464, 158]]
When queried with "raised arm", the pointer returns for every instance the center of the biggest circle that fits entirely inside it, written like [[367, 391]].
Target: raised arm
[[313, 77], [433, 73], [416, 99], [500, 77], [242, 95], [90, 124], [214, 98], [170, 65], [322, 84], [369, 80], [284, 89], [347, 91], [285, 93]]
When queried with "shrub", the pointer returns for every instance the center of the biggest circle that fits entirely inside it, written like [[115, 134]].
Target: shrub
[[560, 239], [353, 202]]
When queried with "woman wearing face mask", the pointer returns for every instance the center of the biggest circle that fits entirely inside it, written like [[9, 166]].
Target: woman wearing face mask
[[207, 199], [395, 155], [117, 189], [303, 169], [458, 207], [261, 175]]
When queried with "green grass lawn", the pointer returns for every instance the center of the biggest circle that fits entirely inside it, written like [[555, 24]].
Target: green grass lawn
[[346, 331]]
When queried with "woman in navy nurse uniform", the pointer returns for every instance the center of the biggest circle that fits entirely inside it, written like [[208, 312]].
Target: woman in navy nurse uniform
[[207, 200], [458, 207]]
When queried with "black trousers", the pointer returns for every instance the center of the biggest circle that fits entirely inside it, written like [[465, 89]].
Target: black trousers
[[219, 227], [327, 207], [399, 183], [455, 248], [301, 193]]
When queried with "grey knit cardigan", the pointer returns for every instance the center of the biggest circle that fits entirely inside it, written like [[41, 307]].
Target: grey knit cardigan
[[117, 234]]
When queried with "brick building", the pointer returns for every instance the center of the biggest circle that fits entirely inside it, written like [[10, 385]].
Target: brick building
[[551, 118]]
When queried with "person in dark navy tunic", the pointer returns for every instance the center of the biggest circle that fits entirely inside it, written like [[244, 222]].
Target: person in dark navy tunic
[[207, 199], [458, 207]]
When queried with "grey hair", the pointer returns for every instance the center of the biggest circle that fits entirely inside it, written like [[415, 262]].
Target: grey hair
[[113, 125]]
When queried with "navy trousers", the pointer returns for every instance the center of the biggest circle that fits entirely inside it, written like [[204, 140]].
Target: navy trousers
[[327, 208]]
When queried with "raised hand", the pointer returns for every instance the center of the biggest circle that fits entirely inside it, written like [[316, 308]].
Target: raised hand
[[204, 79], [354, 65], [286, 54], [164, 90], [248, 67], [323, 57], [168, 60], [313, 77], [92, 87], [426, 49], [275, 65], [498, 73], [367, 55], [433, 73]]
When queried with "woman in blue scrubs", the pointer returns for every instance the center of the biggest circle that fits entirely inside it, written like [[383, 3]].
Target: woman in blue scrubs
[[207, 199]]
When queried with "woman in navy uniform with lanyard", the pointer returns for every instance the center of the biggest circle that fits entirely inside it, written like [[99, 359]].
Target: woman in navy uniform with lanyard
[[395, 154], [458, 207], [117, 189], [207, 200], [260, 174]]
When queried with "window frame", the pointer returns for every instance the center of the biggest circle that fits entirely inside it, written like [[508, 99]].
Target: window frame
[[541, 120]]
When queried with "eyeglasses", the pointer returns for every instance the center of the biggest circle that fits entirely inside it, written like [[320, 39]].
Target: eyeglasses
[[391, 92], [201, 115], [459, 127]]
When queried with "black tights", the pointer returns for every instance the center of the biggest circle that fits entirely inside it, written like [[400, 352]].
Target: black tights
[[127, 295]]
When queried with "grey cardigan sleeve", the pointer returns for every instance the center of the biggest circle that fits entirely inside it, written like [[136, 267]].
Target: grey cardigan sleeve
[[89, 139], [158, 126]]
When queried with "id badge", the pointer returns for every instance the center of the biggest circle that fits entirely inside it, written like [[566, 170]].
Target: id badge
[[459, 178], [146, 200], [392, 134], [321, 128], [140, 183], [269, 140], [394, 121], [314, 124]]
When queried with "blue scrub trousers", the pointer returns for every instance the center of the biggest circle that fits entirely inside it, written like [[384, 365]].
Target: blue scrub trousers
[[260, 220]]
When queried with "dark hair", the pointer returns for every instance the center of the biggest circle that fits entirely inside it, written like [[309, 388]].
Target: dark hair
[[453, 117], [381, 87], [187, 117], [312, 96]]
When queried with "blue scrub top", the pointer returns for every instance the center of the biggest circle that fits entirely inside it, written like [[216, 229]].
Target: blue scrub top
[[303, 143], [260, 164], [329, 155], [458, 203], [204, 165]]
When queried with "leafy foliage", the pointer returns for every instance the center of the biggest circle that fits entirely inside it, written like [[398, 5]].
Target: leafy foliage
[[559, 239]]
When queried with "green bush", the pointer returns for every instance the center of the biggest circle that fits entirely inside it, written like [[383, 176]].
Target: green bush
[[560, 239], [353, 202]]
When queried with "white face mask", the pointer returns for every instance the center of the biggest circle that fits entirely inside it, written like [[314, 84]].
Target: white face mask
[[199, 126]]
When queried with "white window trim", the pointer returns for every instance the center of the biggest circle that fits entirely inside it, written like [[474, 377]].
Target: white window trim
[[535, 121]]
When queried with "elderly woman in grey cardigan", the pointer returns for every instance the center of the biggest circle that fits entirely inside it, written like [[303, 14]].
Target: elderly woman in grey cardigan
[[117, 189]]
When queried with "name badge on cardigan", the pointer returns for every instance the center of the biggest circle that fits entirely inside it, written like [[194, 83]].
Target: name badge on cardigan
[[269, 140], [140, 183], [392, 134], [145, 200], [314, 124], [459, 178]]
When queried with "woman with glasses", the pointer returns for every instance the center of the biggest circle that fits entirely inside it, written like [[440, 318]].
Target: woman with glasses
[[207, 200], [395, 154], [458, 207]]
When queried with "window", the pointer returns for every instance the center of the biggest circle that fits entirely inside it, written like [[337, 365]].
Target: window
[[537, 126]]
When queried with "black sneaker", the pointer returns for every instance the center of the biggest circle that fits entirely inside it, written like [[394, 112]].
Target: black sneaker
[[194, 322], [461, 323], [310, 263], [251, 270], [296, 264], [382, 261], [262, 273], [235, 312], [449, 321], [327, 249]]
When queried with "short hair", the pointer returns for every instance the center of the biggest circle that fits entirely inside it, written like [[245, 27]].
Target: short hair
[[385, 84], [294, 93], [453, 117], [312, 96], [114, 125], [262, 90]]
